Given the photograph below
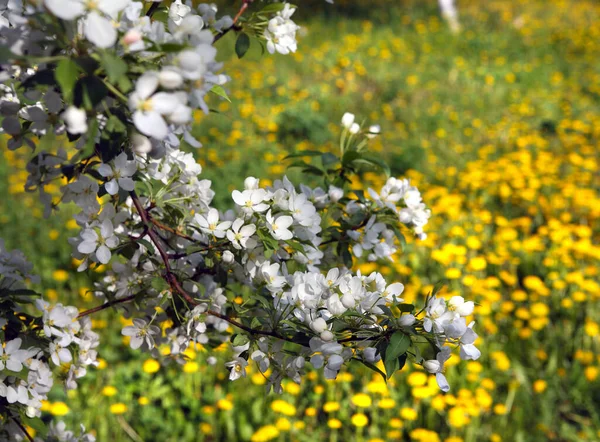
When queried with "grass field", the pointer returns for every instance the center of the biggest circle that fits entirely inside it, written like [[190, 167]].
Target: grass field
[[499, 127]]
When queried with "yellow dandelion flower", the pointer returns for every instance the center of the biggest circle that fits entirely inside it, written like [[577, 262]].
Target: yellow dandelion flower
[[283, 424], [224, 404], [359, 420], [60, 275], [109, 391], [191, 367], [408, 414], [362, 400], [59, 409], [334, 423], [386, 403], [151, 366], [540, 386], [118, 408]]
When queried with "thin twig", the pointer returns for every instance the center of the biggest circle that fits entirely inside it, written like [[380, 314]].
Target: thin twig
[[129, 430], [152, 9], [105, 306], [22, 428], [174, 283], [169, 229], [243, 8], [345, 235]]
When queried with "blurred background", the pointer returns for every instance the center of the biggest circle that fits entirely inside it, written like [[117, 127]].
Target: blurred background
[[497, 124]]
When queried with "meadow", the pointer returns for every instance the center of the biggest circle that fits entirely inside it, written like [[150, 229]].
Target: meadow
[[499, 127]]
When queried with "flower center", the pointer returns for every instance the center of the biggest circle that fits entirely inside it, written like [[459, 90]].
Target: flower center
[[92, 4], [145, 106]]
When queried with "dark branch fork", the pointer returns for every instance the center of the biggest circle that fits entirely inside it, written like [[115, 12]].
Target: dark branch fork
[[234, 25], [171, 278]]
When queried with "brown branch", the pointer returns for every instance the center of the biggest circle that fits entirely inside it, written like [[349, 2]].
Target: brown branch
[[344, 235], [169, 229], [174, 283], [152, 9], [140, 236], [22, 428], [105, 306], [243, 8]]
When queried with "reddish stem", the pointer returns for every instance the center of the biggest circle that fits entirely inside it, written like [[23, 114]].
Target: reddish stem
[[105, 306], [243, 8]]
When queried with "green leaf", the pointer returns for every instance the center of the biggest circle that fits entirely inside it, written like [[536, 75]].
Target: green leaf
[[89, 146], [391, 366], [374, 162], [242, 44], [240, 340], [114, 124], [399, 343], [172, 47], [114, 66], [45, 76], [159, 284], [218, 90], [303, 153], [350, 156], [360, 195], [312, 170], [124, 84], [23, 292], [89, 92], [273, 8], [6, 55], [406, 308], [66, 74], [374, 368], [298, 164], [327, 159]]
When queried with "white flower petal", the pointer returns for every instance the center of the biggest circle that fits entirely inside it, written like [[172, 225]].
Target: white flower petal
[[127, 184], [146, 85], [65, 9], [112, 7], [99, 30], [151, 124], [103, 254], [111, 187], [164, 103], [86, 247]]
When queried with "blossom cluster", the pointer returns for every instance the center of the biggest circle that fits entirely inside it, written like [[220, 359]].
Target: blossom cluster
[[27, 359]]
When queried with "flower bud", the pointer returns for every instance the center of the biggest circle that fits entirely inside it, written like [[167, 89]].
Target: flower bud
[[228, 257], [326, 335], [347, 120], [251, 183], [406, 320], [319, 325], [432, 366], [370, 354], [374, 130], [335, 362], [140, 144], [75, 119], [335, 194], [354, 128], [170, 79], [132, 36]]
